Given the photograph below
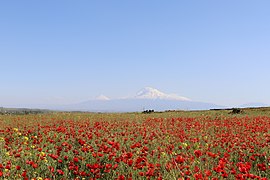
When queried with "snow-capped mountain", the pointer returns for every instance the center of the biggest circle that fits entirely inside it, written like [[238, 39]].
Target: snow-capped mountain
[[147, 98], [151, 93]]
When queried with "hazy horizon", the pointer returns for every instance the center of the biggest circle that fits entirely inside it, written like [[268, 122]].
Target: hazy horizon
[[64, 52]]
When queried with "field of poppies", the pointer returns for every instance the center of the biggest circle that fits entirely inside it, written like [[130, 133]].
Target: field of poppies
[[134, 146]]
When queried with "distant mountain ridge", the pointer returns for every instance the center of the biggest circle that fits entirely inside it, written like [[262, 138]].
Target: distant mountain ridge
[[146, 98], [137, 105]]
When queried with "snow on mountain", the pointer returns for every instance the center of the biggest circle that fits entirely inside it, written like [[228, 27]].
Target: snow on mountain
[[151, 93], [102, 98]]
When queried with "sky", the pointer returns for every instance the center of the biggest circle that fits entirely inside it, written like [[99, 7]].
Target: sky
[[61, 52]]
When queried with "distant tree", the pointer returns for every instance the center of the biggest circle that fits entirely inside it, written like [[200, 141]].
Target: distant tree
[[236, 111], [148, 111]]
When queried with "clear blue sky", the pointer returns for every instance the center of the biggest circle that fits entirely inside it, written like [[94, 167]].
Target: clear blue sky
[[69, 51]]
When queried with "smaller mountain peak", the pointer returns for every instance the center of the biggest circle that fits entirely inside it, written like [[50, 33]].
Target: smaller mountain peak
[[102, 98]]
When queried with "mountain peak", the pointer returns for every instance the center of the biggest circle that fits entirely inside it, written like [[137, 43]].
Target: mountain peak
[[152, 93], [149, 93]]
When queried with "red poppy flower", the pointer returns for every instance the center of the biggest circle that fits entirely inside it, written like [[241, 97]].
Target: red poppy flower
[[76, 159], [179, 159]]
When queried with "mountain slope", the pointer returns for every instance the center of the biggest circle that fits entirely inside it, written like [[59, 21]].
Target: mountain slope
[[137, 105], [102, 98]]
